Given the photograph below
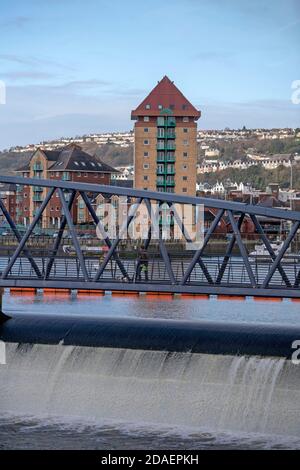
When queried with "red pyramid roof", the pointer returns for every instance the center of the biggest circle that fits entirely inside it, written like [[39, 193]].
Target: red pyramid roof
[[166, 94]]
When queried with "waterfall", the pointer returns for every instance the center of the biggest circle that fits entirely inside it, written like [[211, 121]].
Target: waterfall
[[204, 391]]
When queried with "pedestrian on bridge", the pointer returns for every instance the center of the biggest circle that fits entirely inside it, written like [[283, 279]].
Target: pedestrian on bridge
[[142, 264]]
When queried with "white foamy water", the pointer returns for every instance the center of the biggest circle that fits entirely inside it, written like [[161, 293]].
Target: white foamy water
[[196, 391]]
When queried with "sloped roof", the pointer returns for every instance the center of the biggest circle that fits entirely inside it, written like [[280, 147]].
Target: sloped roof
[[166, 94], [270, 201], [73, 158]]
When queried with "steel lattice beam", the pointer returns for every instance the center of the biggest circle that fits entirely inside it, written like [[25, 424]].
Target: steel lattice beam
[[261, 279]]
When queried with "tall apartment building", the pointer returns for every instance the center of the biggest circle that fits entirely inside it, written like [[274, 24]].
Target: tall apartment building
[[165, 153]]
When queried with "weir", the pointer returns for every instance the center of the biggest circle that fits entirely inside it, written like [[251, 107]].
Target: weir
[[219, 377]]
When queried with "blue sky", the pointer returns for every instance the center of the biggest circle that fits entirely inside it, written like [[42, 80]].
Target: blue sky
[[73, 67]]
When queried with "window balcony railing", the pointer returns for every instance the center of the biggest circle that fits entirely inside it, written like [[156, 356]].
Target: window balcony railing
[[170, 135], [165, 171], [37, 167], [166, 146]]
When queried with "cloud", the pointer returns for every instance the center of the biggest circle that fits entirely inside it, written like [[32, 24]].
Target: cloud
[[79, 84], [32, 61], [15, 22], [225, 57], [27, 75]]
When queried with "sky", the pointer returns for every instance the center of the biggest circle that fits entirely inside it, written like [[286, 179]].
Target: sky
[[72, 67]]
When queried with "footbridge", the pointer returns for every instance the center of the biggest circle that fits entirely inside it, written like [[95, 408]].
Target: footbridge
[[206, 262]]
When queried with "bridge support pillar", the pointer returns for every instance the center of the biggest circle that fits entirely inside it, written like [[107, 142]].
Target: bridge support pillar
[[3, 317]]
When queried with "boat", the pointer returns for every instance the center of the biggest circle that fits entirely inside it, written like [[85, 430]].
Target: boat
[[262, 254]]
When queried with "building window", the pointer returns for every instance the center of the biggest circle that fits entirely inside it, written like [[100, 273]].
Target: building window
[[172, 106], [185, 154], [184, 106], [146, 118], [148, 106], [160, 106], [146, 166], [146, 142], [145, 178], [184, 178], [185, 130], [185, 119], [145, 189], [184, 167], [146, 154], [184, 190], [185, 142], [146, 129]]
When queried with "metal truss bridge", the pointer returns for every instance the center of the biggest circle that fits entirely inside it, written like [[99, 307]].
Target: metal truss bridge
[[170, 268]]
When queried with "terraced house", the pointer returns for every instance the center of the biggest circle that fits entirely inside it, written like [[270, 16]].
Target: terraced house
[[68, 164], [165, 153]]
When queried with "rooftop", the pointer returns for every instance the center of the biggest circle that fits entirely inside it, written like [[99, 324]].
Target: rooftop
[[165, 95], [73, 158]]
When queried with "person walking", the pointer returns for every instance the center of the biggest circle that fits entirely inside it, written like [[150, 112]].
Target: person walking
[[142, 264]]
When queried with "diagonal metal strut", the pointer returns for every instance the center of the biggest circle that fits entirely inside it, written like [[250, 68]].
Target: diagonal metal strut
[[28, 233]]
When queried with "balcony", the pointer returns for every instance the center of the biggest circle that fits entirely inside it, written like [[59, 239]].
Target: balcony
[[170, 135], [170, 183], [160, 182], [170, 158], [165, 171], [171, 122], [37, 189], [37, 167], [37, 198], [166, 146], [160, 159]]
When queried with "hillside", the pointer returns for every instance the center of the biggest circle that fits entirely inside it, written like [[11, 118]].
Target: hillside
[[257, 176], [10, 161], [110, 154]]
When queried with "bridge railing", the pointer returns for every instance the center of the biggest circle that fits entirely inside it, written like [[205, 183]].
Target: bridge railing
[[278, 269]]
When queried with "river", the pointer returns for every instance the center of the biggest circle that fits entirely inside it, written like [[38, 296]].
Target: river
[[147, 400]]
